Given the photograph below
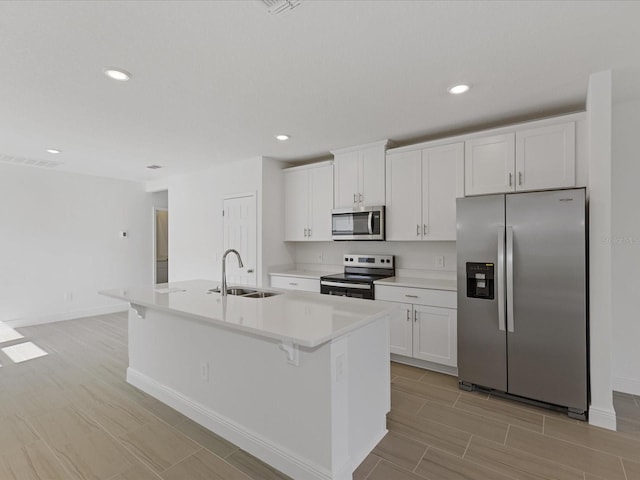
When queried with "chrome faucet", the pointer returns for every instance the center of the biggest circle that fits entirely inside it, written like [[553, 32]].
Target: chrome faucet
[[223, 288]]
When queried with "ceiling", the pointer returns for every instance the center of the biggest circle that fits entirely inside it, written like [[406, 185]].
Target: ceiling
[[214, 81]]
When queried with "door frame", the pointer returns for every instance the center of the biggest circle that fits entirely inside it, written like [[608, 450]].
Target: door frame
[[254, 195], [154, 242]]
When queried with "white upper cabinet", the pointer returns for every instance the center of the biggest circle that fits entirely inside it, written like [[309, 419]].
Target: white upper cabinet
[[537, 158], [489, 164], [545, 157], [421, 192], [359, 175], [308, 202], [403, 205]]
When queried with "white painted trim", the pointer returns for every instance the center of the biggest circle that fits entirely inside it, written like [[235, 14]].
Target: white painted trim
[[280, 458], [308, 166], [572, 117], [424, 364], [600, 417], [380, 143], [240, 195], [626, 385], [359, 457], [62, 316], [157, 185]]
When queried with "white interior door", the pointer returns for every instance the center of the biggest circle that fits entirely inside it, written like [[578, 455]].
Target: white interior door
[[240, 232]]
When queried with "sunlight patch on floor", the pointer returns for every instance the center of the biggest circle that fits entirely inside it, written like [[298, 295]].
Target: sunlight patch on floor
[[23, 352]]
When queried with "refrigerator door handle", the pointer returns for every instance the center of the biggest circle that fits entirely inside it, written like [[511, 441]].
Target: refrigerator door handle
[[500, 278], [510, 320]]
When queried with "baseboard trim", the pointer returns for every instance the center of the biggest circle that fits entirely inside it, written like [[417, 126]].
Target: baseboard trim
[[416, 362], [626, 385], [278, 457], [603, 418], [62, 316]]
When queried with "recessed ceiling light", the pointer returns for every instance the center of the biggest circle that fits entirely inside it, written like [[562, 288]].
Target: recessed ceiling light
[[154, 167], [116, 74], [53, 150], [458, 89], [282, 137]]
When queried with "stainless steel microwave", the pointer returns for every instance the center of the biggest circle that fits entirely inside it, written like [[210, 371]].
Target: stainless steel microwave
[[363, 223]]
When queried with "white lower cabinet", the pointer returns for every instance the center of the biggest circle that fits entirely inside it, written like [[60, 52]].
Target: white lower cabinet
[[426, 332], [288, 282]]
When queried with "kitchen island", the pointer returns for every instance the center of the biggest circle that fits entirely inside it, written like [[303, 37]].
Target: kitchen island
[[300, 380]]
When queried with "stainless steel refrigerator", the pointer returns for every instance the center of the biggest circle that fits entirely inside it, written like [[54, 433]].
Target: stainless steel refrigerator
[[522, 296]]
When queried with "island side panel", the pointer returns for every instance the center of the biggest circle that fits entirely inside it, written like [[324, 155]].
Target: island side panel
[[369, 388], [239, 386]]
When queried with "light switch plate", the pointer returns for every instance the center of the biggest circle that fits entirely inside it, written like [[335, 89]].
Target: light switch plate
[[439, 261]]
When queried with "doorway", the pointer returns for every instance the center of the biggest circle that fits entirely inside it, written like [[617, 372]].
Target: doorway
[[161, 245], [240, 232]]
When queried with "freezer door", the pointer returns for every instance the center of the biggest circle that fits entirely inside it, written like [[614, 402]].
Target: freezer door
[[547, 347], [482, 354]]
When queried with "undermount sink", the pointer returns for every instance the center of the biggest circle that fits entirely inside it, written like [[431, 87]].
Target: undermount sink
[[240, 291], [245, 292], [260, 294]]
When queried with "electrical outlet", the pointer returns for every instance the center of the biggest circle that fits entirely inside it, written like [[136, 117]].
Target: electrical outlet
[[204, 371], [339, 368], [439, 262], [321, 257]]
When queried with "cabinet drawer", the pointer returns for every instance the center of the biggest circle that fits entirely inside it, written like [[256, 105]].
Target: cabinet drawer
[[295, 283], [417, 296]]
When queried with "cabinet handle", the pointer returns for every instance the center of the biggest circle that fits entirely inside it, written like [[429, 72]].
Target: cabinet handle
[[510, 179], [360, 197], [415, 315], [425, 229], [418, 230], [408, 314], [293, 283], [250, 270], [519, 178], [309, 232], [354, 198], [411, 296]]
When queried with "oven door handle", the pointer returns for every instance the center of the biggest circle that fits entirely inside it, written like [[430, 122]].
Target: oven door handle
[[370, 223], [345, 285]]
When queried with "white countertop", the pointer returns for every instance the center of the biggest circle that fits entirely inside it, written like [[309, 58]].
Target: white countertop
[[315, 275], [430, 283], [302, 318]]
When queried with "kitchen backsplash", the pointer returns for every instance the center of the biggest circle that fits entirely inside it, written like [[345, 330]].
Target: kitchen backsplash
[[419, 259]]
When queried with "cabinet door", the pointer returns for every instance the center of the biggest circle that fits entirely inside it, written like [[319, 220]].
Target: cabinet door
[[404, 204], [489, 164], [435, 334], [546, 157], [371, 177], [296, 185], [400, 328], [439, 179], [320, 203], [346, 179]]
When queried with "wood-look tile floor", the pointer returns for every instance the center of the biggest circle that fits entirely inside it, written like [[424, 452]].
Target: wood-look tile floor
[[70, 415]]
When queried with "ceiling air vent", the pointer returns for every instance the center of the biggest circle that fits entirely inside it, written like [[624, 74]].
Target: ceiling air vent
[[276, 7], [154, 167], [28, 162]]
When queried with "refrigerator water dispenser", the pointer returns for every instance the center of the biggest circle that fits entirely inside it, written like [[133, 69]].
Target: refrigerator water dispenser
[[480, 278]]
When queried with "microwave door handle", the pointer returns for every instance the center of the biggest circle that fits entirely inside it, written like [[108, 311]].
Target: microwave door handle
[[370, 223]]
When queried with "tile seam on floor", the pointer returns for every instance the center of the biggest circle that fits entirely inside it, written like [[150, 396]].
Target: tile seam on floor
[[624, 470], [421, 458], [479, 465], [548, 435], [374, 467], [467, 447], [184, 458], [49, 448]]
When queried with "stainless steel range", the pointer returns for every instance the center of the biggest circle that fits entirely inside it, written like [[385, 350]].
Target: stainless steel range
[[360, 271]]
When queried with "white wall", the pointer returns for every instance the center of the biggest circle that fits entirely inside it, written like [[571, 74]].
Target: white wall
[[275, 252], [59, 236], [601, 410], [412, 258], [625, 245]]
